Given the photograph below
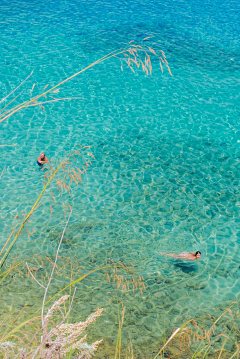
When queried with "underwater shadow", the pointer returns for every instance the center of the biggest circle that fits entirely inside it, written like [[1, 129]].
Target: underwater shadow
[[186, 267]]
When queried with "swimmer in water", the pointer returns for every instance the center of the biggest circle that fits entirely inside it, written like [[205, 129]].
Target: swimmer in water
[[42, 159], [184, 255]]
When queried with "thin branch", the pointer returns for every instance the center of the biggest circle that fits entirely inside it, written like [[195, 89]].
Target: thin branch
[[34, 277], [60, 310], [70, 308], [56, 258]]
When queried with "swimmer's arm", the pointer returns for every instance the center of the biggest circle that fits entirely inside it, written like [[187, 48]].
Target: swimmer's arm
[[43, 162]]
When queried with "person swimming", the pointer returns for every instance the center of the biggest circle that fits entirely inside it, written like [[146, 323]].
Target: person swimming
[[42, 159], [184, 255]]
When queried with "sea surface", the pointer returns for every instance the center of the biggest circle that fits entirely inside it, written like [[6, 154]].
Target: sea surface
[[166, 172]]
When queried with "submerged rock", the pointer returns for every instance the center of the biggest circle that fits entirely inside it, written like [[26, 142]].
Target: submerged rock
[[161, 294]]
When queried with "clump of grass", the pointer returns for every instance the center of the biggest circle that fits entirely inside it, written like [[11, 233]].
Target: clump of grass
[[63, 337], [216, 338], [25, 328]]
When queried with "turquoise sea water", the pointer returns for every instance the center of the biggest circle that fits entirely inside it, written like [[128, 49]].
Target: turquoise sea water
[[167, 169]]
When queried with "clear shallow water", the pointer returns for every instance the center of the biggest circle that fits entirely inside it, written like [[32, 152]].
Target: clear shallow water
[[167, 149]]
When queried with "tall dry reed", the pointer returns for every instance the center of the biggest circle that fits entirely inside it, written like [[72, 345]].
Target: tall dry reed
[[138, 56]]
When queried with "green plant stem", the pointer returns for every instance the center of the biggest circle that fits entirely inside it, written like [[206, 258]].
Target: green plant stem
[[6, 273], [29, 214]]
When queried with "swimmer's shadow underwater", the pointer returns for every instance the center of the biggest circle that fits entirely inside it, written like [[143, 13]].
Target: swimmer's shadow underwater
[[188, 268]]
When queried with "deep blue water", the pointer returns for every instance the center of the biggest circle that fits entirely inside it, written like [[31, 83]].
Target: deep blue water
[[166, 175]]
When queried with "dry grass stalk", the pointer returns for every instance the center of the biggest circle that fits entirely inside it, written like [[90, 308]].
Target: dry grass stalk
[[174, 334], [16, 87], [119, 337], [126, 284], [2, 173], [129, 352], [134, 55], [8, 145]]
